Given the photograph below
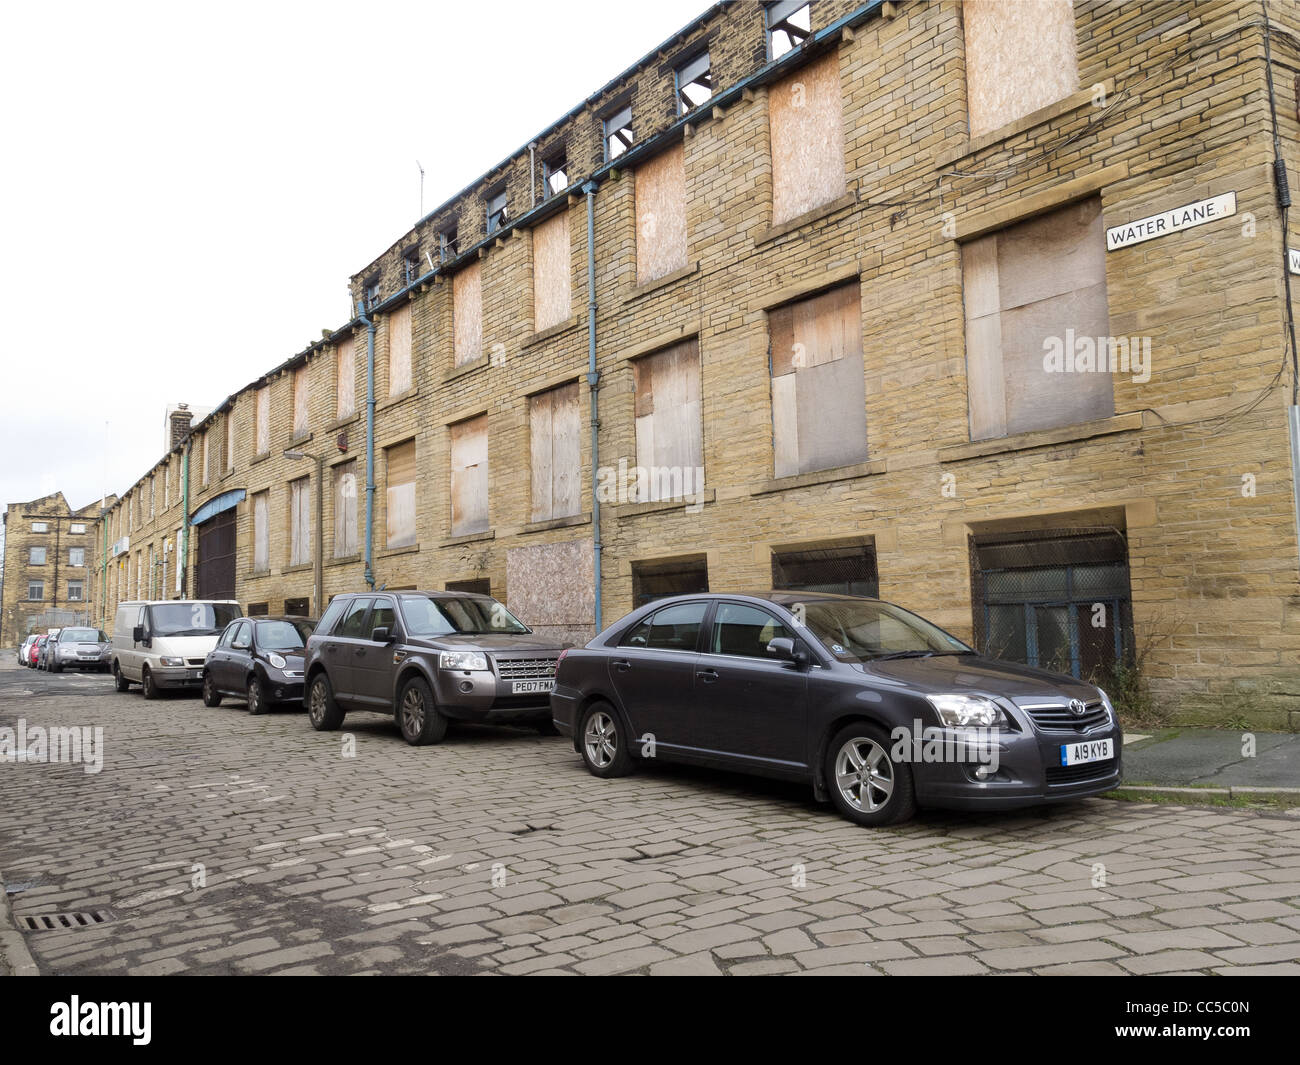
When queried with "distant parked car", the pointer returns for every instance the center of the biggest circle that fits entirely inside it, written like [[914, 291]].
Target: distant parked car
[[25, 651], [78, 648], [428, 658], [841, 692], [258, 659], [33, 653], [42, 650]]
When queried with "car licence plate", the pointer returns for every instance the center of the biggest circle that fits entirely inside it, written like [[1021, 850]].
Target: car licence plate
[[530, 687], [196, 674], [1088, 751]]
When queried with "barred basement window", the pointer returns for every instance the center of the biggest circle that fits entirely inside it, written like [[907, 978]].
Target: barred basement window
[[844, 570], [496, 211], [297, 607], [258, 610], [664, 577], [618, 135], [478, 586], [555, 174], [789, 24], [694, 83], [448, 244]]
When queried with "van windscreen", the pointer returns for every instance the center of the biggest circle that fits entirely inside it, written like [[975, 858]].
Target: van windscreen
[[191, 619]]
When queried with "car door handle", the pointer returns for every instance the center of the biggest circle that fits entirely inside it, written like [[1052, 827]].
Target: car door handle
[[707, 675], [622, 665], [359, 651], [330, 648]]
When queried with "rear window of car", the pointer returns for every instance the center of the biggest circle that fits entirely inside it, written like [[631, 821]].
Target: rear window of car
[[674, 628]]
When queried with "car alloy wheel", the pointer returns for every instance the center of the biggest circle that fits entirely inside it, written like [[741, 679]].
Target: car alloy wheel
[[864, 775], [418, 715], [413, 710], [600, 740], [256, 700], [322, 711]]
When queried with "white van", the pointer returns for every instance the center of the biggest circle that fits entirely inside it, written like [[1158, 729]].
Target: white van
[[163, 643]]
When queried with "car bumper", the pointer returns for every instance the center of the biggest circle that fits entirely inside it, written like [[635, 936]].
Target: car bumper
[[486, 698], [176, 677], [1029, 773], [284, 690]]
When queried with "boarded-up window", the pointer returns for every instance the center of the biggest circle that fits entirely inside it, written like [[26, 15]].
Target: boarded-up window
[[230, 439], [261, 533], [552, 272], [345, 380], [1019, 57], [555, 428], [807, 127], [400, 497], [399, 350], [467, 312], [1032, 288], [180, 558], [263, 420], [819, 418], [203, 464], [300, 399], [661, 215], [345, 510], [300, 521], [469, 476], [669, 437]]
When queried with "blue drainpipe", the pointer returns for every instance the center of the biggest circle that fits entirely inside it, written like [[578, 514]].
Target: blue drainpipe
[[370, 442], [593, 383]]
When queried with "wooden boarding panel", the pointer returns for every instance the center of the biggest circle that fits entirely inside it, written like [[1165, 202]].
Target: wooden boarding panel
[[661, 215], [345, 380], [469, 476], [467, 310], [263, 420], [552, 272], [345, 510], [300, 401], [399, 350], [805, 116], [541, 428], [400, 495]]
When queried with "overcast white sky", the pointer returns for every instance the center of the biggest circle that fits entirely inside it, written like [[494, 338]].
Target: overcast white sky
[[187, 188]]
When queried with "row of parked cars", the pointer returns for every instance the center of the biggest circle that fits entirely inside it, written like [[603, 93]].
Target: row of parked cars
[[849, 695], [68, 648]]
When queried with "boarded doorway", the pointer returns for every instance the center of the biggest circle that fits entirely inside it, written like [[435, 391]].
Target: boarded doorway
[[215, 568]]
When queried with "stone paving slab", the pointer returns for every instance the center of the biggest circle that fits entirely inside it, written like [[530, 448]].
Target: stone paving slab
[[221, 843]]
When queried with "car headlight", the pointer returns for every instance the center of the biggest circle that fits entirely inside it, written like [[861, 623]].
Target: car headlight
[[276, 660], [967, 711], [472, 661], [167, 661], [1105, 701]]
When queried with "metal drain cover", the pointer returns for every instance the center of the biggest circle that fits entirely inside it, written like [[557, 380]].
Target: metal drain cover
[[51, 922]]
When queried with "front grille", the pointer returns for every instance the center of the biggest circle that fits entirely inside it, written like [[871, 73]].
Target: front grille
[[194, 661], [1057, 717], [526, 668], [1080, 774]]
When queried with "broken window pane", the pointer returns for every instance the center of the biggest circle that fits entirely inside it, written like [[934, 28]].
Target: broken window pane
[[496, 211], [694, 83], [448, 244], [788, 26], [372, 292], [618, 133], [411, 266], [555, 175]]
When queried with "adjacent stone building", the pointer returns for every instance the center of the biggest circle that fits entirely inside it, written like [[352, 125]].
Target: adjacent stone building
[[976, 307]]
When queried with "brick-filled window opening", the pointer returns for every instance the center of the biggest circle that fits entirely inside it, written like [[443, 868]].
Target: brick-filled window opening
[[819, 418], [76, 556], [35, 591], [497, 211], [467, 314], [76, 591], [843, 570], [555, 449], [662, 578], [345, 380], [694, 80], [789, 24], [1055, 599], [230, 440], [469, 476], [301, 401], [399, 495], [263, 434], [661, 215], [618, 135], [36, 556], [411, 265], [345, 510], [371, 292], [1020, 58], [40, 526], [1026, 288], [399, 350], [261, 532], [449, 244], [555, 175], [300, 518], [552, 272], [669, 433], [806, 122], [475, 586]]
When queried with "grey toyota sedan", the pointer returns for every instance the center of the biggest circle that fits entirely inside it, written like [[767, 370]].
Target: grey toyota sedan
[[879, 710]]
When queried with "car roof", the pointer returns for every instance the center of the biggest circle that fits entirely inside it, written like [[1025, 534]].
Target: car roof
[[260, 619], [412, 593], [779, 596]]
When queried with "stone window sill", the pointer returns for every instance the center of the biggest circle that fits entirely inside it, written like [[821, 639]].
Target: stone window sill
[[649, 287], [838, 473], [658, 506], [807, 218], [553, 331], [1120, 423], [557, 523], [469, 538], [401, 397], [389, 552], [465, 369]]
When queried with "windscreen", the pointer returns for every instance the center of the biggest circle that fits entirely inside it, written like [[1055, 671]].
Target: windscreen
[[191, 619], [428, 618], [862, 630], [282, 635], [82, 636]]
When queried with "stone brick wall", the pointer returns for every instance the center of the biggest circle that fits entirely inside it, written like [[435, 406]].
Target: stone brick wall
[[1172, 108]]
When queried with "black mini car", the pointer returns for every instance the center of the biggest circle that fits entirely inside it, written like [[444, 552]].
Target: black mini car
[[879, 710], [259, 659]]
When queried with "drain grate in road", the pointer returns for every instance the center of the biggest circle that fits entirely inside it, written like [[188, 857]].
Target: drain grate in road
[[50, 922]]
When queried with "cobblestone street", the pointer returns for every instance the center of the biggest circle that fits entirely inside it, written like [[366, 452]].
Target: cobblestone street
[[496, 852]]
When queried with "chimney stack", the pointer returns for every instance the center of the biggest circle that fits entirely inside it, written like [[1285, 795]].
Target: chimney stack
[[180, 420]]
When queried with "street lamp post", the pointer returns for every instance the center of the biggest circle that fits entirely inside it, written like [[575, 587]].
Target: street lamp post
[[318, 552]]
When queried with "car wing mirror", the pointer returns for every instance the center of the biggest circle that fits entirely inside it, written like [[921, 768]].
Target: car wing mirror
[[137, 634], [785, 649], [381, 635]]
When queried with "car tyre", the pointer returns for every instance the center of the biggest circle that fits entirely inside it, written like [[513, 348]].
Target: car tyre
[[256, 696], [866, 785], [322, 711], [604, 742], [55, 668], [120, 683], [418, 716], [148, 687], [211, 697]]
